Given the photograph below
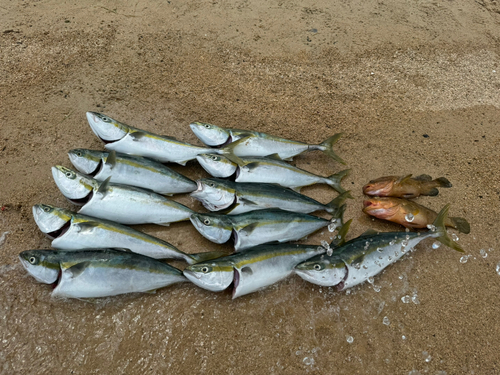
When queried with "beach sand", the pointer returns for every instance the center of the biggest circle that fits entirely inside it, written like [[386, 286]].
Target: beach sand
[[414, 87]]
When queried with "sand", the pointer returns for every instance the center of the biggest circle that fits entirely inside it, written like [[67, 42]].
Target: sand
[[414, 87]]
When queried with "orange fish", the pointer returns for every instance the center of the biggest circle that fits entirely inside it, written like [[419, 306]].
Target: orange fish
[[409, 214], [405, 187]]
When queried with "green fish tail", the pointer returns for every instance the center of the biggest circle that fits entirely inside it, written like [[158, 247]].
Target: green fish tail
[[334, 205], [203, 257], [460, 224], [339, 239], [327, 147], [441, 230], [334, 180], [228, 151]]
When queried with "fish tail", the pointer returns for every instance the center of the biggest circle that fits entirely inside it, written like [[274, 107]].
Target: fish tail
[[327, 147], [203, 257], [441, 234], [339, 239], [443, 182], [460, 224], [228, 151], [334, 180], [335, 204]]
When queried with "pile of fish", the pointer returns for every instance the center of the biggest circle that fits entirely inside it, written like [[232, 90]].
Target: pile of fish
[[254, 200]]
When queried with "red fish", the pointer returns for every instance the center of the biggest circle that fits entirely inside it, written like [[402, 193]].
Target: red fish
[[405, 187]]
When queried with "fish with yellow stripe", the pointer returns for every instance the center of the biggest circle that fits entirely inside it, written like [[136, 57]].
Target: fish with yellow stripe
[[71, 231], [252, 269], [130, 170]]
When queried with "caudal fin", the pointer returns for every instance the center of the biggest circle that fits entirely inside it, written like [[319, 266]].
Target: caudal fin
[[441, 230], [334, 180], [443, 182], [203, 257], [327, 147], [335, 204]]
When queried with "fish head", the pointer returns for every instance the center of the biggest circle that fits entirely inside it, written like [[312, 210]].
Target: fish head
[[107, 129], [322, 270], [41, 264], [217, 165], [73, 185], [216, 228], [51, 219], [214, 194], [380, 187], [382, 208], [86, 161], [210, 275], [211, 135]]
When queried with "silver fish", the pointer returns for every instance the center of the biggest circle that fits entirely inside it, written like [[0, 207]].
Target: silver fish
[[236, 198], [123, 138], [71, 231], [130, 170], [364, 257], [98, 273], [267, 170], [258, 227], [120, 203], [252, 269], [259, 144]]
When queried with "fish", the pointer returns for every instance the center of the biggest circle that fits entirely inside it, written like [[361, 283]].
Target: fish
[[123, 138], [260, 144], [252, 269], [409, 214], [238, 197], [120, 203], [71, 231], [98, 273], [361, 258], [130, 170], [258, 227], [270, 170], [405, 186]]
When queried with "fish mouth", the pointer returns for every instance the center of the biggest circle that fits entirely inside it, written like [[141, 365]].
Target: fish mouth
[[106, 132], [59, 232]]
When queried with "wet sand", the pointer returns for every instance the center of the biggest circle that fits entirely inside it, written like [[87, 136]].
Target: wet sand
[[414, 87]]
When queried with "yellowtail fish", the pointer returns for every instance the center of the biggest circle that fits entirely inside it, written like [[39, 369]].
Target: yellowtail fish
[[271, 170], [130, 170], [405, 186], [259, 144], [123, 138], [409, 214], [71, 231], [120, 203], [252, 269], [98, 273], [361, 258], [258, 227]]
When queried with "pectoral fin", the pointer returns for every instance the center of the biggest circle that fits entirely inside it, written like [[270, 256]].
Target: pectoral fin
[[76, 269]]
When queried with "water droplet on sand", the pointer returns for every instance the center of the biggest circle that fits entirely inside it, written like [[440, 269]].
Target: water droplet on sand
[[386, 321], [464, 259], [436, 245], [454, 237], [370, 280], [405, 299], [403, 337], [349, 339], [415, 299], [498, 268], [483, 253], [308, 361], [431, 227], [409, 217]]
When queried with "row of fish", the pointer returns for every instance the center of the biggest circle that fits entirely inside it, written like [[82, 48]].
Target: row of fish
[[99, 273], [253, 212]]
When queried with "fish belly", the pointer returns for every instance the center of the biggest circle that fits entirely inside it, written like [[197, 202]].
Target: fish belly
[[96, 282], [256, 146]]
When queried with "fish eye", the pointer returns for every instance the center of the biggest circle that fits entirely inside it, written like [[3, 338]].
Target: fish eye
[[206, 221], [204, 269], [105, 119], [317, 267], [69, 174], [206, 126], [46, 209], [215, 158], [32, 260], [211, 184], [79, 154]]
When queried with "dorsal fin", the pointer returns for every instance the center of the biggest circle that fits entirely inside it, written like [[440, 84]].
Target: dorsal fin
[[104, 186], [403, 179], [111, 159]]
